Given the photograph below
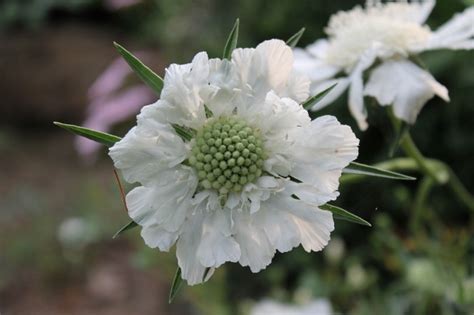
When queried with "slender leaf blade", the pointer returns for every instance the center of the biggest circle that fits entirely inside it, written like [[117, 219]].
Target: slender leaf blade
[[342, 214], [185, 133], [231, 43], [91, 134], [176, 285], [313, 100], [293, 40], [363, 169], [154, 81], [126, 227]]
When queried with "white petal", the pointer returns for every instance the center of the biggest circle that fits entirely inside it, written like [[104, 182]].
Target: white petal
[[457, 33], [217, 245], [341, 87], [264, 68], [277, 59], [156, 236], [191, 269], [356, 96], [289, 222], [313, 66], [256, 250], [405, 85], [297, 87], [147, 150], [320, 152], [167, 202]]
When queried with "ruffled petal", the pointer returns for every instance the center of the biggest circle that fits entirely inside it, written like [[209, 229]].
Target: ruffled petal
[[256, 250], [288, 222], [320, 152], [155, 236], [457, 33], [405, 85], [217, 245], [165, 203], [186, 250], [147, 150]]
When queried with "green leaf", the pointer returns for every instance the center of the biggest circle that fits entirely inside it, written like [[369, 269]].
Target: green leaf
[[231, 41], [154, 81], [363, 169], [341, 214], [293, 40], [97, 136], [313, 100], [128, 226], [184, 132], [177, 282]]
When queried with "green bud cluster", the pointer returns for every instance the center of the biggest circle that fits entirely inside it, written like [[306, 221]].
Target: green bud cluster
[[227, 154]]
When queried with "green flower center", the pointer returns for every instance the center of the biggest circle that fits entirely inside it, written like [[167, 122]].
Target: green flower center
[[227, 154]]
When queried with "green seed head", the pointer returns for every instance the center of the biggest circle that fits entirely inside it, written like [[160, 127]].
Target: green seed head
[[227, 154]]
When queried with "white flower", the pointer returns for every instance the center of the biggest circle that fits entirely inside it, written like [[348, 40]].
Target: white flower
[[315, 307], [390, 33], [228, 194]]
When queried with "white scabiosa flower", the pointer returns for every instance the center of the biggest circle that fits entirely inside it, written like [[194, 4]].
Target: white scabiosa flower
[[390, 33], [247, 177], [316, 307]]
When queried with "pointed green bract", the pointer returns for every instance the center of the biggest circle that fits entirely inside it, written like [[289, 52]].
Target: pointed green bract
[[339, 213], [293, 40], [363, 169], [400, 132], [313, 100], [154, 81], [231, 41], [184, 132], [94, 135], [177, 282], [126, 227]]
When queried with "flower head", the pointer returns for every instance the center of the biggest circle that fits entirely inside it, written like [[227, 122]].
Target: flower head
[[391, 33], [230, 167]]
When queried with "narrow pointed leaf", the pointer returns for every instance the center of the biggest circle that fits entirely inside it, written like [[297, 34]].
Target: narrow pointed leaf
[[231, 41], [293, 40], [154, 81], [363, 169], [313, 100], [126, 227], [341, 214], [177, 282], [94, 135]]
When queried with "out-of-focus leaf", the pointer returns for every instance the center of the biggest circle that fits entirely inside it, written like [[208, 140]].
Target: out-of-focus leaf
[[231, 41], [363, 169], [94, 135], [154, 81], [126, 227], [313, 100], [177, 282], [293, 40], [339, 213]]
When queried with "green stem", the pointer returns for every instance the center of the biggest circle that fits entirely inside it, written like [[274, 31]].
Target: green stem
[[408, 145], [421, 195]]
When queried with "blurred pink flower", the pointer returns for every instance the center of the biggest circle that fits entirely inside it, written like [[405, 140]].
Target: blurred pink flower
[[110, 103], [119, 4]]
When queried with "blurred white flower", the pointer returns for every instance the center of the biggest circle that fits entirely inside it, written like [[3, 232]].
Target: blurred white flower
[[228, 193], [334, 252], [390, 33], [75, 232], [316, 307], [357, 277]]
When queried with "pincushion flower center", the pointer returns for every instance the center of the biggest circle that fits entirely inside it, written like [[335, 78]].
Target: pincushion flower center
[[227, 154]]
